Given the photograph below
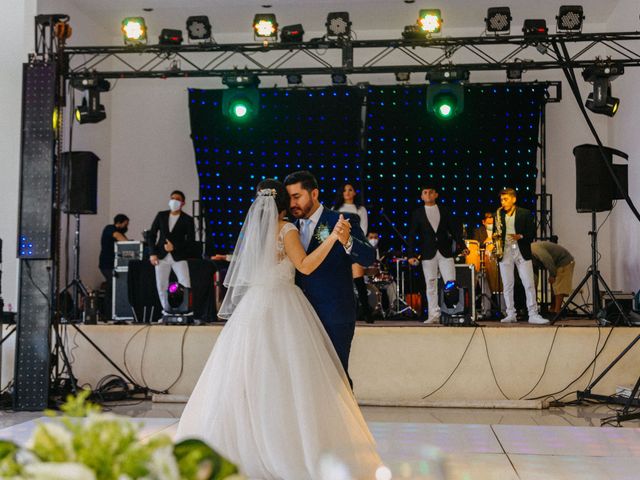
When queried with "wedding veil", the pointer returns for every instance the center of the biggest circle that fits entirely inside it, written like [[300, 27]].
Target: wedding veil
[[254, 258]]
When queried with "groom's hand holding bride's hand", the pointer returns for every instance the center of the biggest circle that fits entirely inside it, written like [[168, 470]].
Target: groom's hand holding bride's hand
[[343, 230]]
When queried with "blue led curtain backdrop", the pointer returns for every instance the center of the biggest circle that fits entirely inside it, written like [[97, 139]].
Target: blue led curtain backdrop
[[492, 144]]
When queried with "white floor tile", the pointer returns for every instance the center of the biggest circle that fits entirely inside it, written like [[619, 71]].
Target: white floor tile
[[548, 467], [583, 441]]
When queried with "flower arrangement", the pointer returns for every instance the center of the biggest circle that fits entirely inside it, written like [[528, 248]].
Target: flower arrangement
[[322, 232], [86, 444]]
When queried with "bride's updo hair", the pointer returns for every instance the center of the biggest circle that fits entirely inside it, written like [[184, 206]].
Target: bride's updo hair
[[281, 196]]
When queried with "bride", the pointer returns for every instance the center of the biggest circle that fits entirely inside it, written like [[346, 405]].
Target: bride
[[273, 396]]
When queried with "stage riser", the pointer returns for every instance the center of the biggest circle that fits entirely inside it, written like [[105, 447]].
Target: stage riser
[[389, 365]]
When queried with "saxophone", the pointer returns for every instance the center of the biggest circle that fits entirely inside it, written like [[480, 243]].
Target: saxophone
[[498, 247]]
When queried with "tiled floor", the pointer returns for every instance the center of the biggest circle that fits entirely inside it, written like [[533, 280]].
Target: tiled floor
[[465, 444]]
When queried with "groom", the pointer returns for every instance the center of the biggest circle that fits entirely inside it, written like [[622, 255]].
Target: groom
[[330, 287]]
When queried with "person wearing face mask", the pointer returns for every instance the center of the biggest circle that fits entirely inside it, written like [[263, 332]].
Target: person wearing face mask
[[374, 241], [484, 233], [170, 239], [116, 232]]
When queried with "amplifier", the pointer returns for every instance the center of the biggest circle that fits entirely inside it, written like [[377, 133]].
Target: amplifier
[[127, 251]]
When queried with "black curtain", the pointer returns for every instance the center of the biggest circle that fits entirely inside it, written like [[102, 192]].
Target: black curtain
[[492, 144]]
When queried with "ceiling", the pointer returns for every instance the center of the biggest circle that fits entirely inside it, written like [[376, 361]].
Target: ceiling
[[368, 16]]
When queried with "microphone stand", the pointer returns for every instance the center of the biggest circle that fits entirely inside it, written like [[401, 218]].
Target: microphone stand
[[400, 306]]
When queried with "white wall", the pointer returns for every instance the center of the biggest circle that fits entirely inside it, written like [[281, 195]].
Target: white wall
[[625, 228]]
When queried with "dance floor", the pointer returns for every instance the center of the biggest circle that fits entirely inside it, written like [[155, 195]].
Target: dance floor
[[421, 443]]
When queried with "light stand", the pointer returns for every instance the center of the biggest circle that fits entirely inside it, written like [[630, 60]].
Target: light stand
[[76, 286]]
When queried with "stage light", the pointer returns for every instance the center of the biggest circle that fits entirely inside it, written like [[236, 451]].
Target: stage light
[[413, 32], [294, 79], [91, 110], [451, 294], [403, 76], [448, 74], [570, 19], [292, 34], [445, 100], [601, 75], [338, 24], [178, 297], [134, 31], [430, 20], [534, 29], [265, 26], [169, 36], [607, 105], [199, 28], [338, 79], [498, 20], [241, 101], [514, 72]]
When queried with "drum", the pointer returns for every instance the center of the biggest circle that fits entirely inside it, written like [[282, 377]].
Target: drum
[[372, 271], [382, 278], [492, 272], [474, 254], [374, 298]]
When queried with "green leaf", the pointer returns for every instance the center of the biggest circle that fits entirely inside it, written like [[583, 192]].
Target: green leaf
[[199, 461]]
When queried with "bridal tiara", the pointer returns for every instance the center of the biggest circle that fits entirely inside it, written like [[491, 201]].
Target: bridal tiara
[[267, 192]]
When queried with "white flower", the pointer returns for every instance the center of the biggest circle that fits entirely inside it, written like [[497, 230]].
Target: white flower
[[163, 465], [322, 232], [58, 471], [52, 439]]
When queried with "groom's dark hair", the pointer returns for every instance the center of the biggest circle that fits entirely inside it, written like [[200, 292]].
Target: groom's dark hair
[[304, 177]]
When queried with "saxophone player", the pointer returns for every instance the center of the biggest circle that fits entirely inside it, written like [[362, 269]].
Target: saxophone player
[[515, 230]]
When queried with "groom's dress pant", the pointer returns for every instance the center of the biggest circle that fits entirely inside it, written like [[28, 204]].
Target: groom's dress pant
[[341, 336]]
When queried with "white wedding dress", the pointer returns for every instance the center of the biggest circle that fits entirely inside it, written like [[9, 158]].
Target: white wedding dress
[[273, 397]]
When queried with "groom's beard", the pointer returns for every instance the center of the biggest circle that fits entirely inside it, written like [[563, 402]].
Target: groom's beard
[[302, 211]]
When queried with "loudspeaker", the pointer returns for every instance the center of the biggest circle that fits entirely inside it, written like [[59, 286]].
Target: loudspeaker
[[79, 186], [120, 306], [595, 187]]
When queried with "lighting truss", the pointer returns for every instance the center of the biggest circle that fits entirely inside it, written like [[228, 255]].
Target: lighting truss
[[488, 53]]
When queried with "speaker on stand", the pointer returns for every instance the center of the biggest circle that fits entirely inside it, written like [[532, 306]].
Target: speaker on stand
[[79, 196]]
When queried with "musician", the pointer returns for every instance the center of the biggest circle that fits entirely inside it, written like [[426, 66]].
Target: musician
[[116, 232], [374, 240], [516, 229], [559, 262], [484, 233], [171, 239], [437, 237], [347, 202]]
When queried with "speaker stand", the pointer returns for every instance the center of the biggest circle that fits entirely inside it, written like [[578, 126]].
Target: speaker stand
[[595, 276], [76, 287]]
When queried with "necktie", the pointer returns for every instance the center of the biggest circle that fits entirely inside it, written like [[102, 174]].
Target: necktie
[[305, 232]]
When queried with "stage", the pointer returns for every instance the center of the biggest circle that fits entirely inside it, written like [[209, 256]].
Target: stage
[[392, 363]]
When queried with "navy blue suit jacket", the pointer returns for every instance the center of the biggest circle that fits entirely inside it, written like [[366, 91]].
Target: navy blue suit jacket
[[329, 288]]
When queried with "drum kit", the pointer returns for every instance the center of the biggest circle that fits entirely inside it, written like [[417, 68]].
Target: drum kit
[[389, 294]]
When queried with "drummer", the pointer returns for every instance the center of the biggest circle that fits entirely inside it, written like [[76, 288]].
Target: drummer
[[484, 233], [377, 275]]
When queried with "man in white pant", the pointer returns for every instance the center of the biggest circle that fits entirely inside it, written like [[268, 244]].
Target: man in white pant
[[170, 241], [518, 230], [439, 237]]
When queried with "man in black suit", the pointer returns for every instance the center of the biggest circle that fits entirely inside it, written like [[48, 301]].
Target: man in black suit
[[170, 241], [439, 238], [518, 230]]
